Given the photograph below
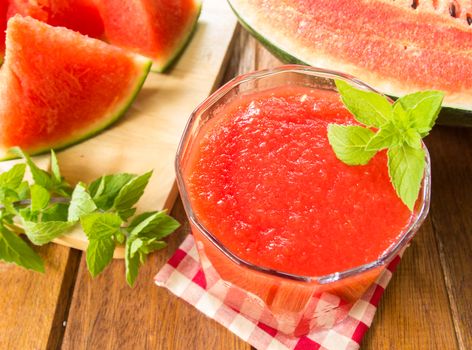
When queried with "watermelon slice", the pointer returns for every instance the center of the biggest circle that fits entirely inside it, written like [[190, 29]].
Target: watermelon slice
[[58, 87], [396, 46], [158, 29], [3, 26], [79, 15]]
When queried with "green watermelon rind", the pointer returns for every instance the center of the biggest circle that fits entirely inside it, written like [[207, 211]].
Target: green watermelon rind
[[449, 115], [165, 64], [144, 65]]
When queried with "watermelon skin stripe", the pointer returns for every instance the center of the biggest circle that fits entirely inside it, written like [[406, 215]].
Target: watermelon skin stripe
[[158, 29], [164, 65], [343, 49]]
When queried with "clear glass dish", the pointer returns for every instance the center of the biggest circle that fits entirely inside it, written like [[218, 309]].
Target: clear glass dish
[[289, 303]]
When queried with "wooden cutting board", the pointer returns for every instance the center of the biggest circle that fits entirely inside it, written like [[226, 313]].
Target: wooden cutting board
[[148, 135]]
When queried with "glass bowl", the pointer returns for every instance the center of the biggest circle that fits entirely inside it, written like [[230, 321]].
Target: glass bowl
[[292, 304]]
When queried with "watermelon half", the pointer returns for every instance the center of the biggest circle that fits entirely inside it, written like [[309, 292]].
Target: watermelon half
[[58, 87], [396, 46], [158, 29]]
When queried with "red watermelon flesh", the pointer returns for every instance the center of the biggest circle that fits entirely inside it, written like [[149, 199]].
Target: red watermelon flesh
[[58, 86], [154, 28], [3, 26], [79, 15], [390, 44]]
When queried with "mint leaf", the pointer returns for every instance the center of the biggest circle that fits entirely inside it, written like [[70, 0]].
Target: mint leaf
[[61, 186], [6, 216], [41, 177], [412, 138], [126, 214], [39, 198], [151, 245], [100, 225], [135, 245], [424, 107], [131, 192], [56, 172], [400, 130], [145, 230], [120, 237], [7, 195], [367, 107], [25, 214], [23, 190], [97, 187], [132, 263], [100, 229], [99, 255], [386, 137], [140, 218], [56, 212], [105, 189], [406, 169], [44, 232], [136, 251], [14, 250], [153, 225], [401, 118], [81, 203], [12, 178], [349, 143]]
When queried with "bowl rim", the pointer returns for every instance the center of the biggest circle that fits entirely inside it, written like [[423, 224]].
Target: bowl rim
[[417, 218]]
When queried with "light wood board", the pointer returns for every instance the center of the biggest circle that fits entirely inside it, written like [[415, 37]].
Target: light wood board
[[148, 135]]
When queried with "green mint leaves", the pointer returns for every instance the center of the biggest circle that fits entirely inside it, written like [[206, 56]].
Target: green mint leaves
[[50, 207], [398, 128], [146, 232], [350, 143], [101, 229]]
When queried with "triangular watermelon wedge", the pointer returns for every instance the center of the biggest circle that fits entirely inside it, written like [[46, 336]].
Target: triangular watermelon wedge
[[58, 87], [158, 29]]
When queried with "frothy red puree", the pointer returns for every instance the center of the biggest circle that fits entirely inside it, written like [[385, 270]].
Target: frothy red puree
[[265, 181]]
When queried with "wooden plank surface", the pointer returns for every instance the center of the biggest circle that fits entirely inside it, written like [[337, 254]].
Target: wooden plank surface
[[451, 213], [107, 314], [33, 305], [433, 285], [414, 312], [146, 138]]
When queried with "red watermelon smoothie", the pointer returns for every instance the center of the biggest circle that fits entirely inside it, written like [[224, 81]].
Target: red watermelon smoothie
[[296, 235]]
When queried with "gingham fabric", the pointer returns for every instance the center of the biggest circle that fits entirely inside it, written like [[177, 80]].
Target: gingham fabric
[[184, 276]]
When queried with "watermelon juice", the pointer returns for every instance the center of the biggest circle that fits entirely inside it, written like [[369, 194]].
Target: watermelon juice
[[272, 207]]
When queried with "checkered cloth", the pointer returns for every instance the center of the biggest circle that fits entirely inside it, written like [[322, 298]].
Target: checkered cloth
[[183, 275]]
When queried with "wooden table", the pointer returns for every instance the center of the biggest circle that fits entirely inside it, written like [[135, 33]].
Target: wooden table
[[428, 304]]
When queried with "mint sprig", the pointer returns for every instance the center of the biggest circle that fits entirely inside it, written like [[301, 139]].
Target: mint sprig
[[49, 207], [397, 128]]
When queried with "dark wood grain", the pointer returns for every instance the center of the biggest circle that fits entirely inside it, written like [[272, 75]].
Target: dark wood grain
[[33, 305], [451, 213], [247, 56], [414, 311], [107, 314]]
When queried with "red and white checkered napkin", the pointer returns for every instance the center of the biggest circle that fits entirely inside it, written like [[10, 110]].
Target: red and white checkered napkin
[[183, 275]]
